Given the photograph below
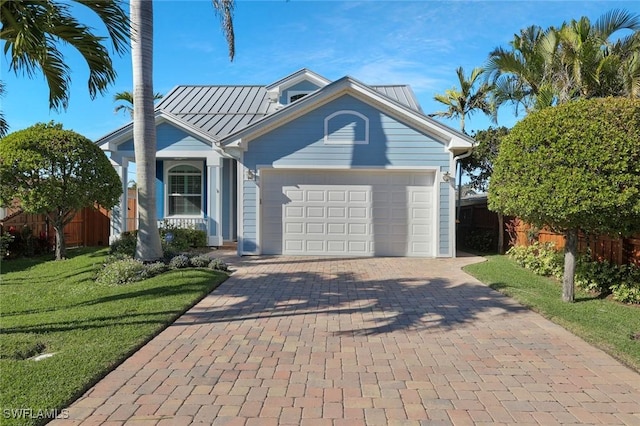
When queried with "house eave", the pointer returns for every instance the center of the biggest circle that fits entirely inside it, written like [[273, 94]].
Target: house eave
[[453, 140], [111, 141]]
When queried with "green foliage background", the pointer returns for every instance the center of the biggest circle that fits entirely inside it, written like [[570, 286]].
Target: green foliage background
[[575, 166]]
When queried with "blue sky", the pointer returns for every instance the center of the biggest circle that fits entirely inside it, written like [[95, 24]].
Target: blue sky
[[377, 42]]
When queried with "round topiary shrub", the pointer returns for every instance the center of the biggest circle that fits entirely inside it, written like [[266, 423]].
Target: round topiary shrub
[[201, 261], [156, 268], [180, 261], [218, 265], [122, 272]]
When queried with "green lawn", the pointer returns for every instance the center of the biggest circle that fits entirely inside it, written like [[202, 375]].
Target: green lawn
[[604, 323], [55, 307]]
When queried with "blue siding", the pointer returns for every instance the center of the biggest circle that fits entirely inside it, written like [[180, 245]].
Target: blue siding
[[303, 86], [160, 189], [171, 138], [391, 143], [249, 216], [346, 127]]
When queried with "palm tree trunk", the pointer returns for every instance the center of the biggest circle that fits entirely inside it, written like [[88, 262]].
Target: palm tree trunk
[[148, 247]]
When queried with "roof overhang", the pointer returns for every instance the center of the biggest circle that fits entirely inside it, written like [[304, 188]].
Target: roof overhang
[[123, 134], [453, 140]]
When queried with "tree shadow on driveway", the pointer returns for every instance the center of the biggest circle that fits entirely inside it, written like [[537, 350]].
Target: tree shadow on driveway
[[361, 296]]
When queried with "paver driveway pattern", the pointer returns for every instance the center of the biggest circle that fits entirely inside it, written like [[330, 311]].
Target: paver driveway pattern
[[319, 341]]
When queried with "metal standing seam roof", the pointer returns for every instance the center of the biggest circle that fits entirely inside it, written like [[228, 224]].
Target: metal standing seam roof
[[222, 110]]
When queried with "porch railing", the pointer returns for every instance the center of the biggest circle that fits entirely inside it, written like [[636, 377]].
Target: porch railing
[[189, 223]]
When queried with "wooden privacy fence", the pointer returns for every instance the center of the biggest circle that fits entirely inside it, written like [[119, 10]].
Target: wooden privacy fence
[[89, 227], [616, 250]]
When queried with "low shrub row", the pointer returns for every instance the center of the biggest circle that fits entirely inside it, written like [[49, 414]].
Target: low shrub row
[[621, 281], [120, 267]]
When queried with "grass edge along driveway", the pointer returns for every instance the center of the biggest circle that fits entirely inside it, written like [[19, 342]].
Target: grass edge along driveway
[[56, 307], [602, 322]]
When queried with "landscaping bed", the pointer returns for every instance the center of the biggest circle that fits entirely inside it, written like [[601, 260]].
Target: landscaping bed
[[610, 325], [56, 307]]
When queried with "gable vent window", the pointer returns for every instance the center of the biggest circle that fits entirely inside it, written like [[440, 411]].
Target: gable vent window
[[295, 95], [346, 128], [185, 191]]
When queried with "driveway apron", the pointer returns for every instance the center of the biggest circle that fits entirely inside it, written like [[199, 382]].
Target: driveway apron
[[361, 341]]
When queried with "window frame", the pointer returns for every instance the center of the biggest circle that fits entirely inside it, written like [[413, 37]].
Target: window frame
[[330, 141], [170, 165], [293, 93]]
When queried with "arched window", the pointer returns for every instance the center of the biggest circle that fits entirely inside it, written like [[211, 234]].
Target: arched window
[[346, 128], [184, 190]]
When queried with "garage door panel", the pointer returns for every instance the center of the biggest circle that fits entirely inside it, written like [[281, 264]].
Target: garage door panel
[[293, 194], [358, 212], [362, 213], [316, 228], [337, 196], [358, 196], [315, 246], [317, 196], [315, 212], [294, 228], [339, 246], [358, 229], [336, 228], [337, 212], [294, 211], [292, 246]]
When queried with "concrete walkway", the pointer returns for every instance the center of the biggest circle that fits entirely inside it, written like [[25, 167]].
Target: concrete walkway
[[318, 341]]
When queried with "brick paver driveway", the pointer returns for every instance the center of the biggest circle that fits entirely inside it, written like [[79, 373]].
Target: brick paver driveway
[[361, 341]]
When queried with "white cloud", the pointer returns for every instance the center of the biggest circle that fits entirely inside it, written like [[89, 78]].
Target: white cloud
[[397, 71]]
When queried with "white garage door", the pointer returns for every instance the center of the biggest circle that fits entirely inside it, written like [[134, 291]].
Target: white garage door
[[355, 213]]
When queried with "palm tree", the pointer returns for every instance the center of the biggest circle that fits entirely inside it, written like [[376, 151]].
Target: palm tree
[[594, 65], [462, 102], [577, 60], [127, 98], [34, 30], [148, 246], [467, 99], [522, 75]]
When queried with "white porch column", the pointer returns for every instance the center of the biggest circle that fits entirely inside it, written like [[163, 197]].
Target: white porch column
[[119, 211], [214, 201]]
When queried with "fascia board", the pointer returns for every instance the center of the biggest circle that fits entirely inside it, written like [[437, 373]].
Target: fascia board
[[111, 141], [298, 76], [283, 116], [452, 140]]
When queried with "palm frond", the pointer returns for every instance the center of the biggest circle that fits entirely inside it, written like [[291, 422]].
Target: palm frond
[[33, 31], [115, 20], [614, 20], [224, 10]]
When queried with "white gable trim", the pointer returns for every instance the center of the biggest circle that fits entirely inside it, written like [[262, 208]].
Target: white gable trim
[[297, 77], [452, 140], [111, 141], [335, 141]]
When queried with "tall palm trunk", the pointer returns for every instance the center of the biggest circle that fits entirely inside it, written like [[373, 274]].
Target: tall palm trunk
[[148, 247]]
